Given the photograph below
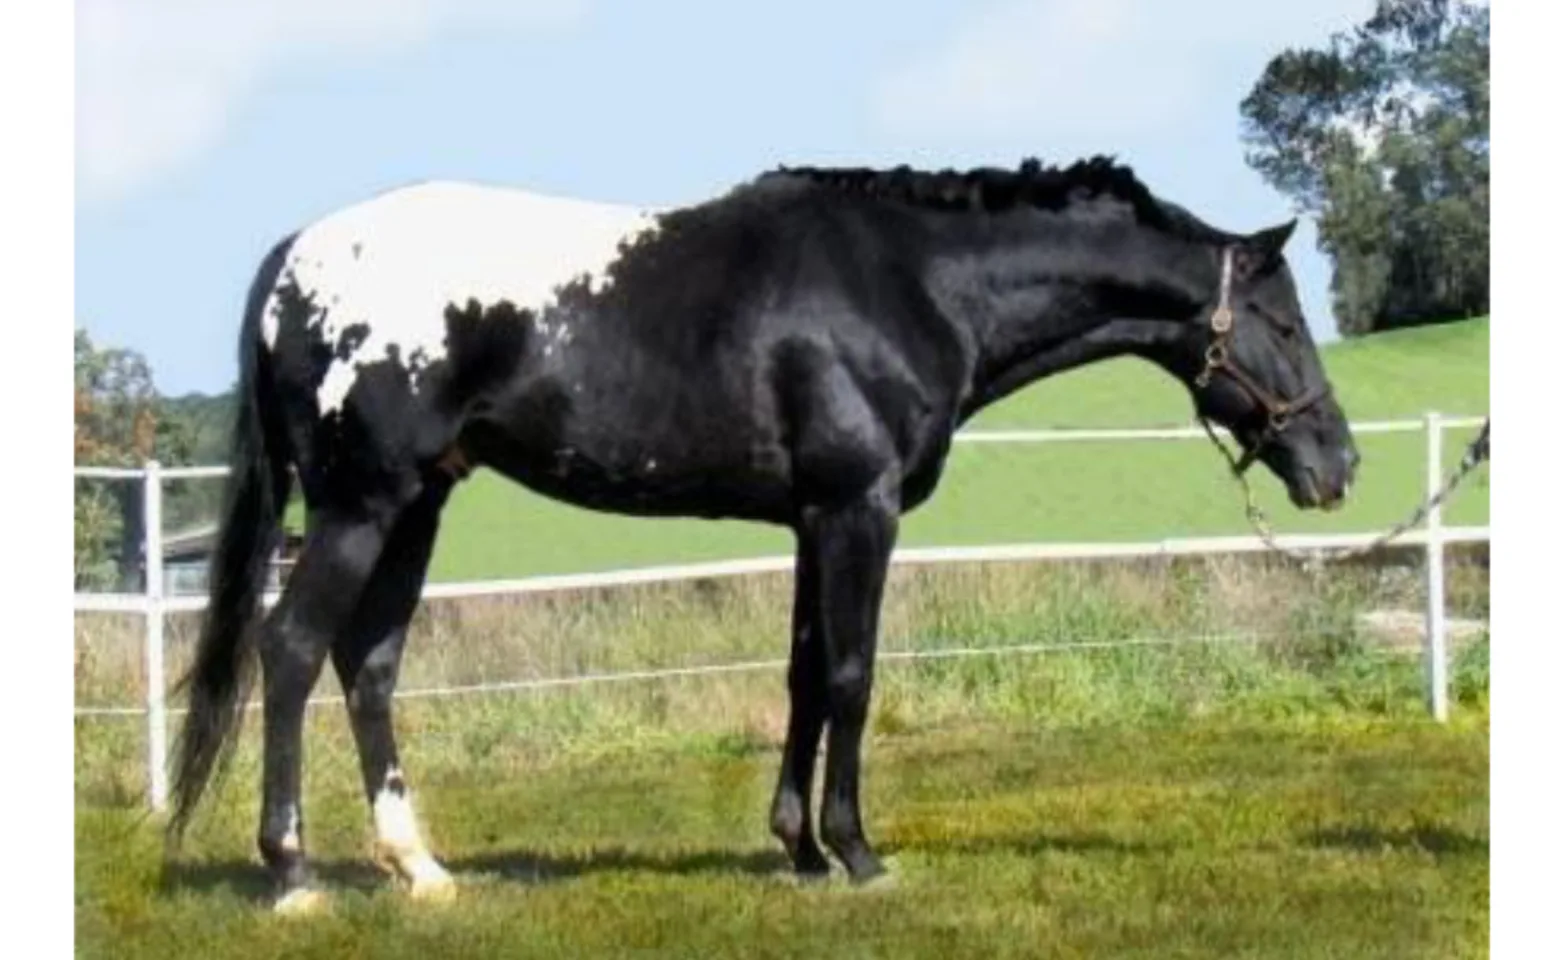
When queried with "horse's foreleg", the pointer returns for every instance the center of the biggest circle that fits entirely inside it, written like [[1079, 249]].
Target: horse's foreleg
[[790, 819], [853, 547]]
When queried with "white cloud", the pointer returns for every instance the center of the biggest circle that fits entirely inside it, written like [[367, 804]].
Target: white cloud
[[156, 80], [1093, 69]]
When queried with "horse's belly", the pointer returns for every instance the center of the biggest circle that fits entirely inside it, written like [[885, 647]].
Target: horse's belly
[[651, 489], [649, 472]]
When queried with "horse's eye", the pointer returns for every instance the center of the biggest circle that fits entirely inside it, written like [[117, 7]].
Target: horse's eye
[[1289, 331]]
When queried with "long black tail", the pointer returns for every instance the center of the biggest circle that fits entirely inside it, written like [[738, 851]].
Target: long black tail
[[256, 492]]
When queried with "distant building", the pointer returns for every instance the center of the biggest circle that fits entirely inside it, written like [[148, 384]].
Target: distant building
[[188, 554]]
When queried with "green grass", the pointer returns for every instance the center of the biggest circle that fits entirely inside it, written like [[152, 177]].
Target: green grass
[[1282, 796], [1268, 840], [1009, 493]]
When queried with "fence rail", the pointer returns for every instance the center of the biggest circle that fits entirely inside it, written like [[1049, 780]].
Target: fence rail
[[907, 556], [743, 666], [1433, 537]]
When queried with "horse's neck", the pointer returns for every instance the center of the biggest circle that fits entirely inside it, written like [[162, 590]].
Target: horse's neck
[[1040, 306], [1154, 340]]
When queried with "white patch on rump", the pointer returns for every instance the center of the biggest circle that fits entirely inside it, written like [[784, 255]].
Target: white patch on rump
[[394, 262]]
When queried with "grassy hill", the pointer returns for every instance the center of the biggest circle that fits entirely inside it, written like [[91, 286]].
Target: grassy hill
[[1013, 493]]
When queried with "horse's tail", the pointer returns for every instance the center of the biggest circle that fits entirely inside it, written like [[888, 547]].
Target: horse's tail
[[256, 491]]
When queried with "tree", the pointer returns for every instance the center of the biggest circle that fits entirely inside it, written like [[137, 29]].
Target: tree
[[1383, 137], [120, 421]]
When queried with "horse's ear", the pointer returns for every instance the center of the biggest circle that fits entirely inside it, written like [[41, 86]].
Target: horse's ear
[[1274, 239], [1262, 250]]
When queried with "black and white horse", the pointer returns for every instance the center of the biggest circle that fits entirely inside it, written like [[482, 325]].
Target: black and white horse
[[795, 352]]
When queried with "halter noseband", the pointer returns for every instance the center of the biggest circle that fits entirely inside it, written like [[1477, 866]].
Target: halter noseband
[[1279, 413]]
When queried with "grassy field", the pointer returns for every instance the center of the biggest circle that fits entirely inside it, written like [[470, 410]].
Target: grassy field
[[1270, 787], [1010, 493], [1330, 840]]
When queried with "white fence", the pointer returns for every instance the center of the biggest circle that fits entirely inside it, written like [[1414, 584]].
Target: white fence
[[1434, 536]]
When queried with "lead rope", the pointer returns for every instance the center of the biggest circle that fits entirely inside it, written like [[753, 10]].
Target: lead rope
[[1476, 453]]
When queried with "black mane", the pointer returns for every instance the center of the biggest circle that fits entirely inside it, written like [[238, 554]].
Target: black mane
[[995, 190]]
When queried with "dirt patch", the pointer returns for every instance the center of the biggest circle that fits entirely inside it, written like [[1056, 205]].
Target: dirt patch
[[1406, 630]]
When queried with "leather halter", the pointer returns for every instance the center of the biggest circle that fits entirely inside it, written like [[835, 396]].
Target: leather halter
[[1279, 413]]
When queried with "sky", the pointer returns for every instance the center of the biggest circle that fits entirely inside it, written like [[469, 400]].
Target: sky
[[206, 130]]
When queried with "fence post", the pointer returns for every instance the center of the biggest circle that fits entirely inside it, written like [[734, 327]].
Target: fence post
[[157, 721], [1434, 651]]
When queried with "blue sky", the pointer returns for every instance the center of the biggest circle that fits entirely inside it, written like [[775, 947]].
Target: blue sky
[[207, 130]]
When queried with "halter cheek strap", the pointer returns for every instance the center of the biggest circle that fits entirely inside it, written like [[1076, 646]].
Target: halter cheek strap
[[1279, 413], [1222, 317]]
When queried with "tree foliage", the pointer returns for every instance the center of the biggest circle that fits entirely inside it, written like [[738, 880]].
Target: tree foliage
[[121, 422], [1383, 136]]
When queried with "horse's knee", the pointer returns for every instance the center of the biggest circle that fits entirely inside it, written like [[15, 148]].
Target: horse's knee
[[848, 684]]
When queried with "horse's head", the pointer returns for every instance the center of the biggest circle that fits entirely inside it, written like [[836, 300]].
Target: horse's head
[[1257, 372]]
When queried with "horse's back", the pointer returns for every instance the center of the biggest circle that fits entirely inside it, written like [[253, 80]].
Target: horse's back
[[375, 279], [649, 376]]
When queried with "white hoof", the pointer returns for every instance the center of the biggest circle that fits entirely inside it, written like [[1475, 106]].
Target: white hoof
[[436, 887], [881, 883], [300, 902], [426, 879]]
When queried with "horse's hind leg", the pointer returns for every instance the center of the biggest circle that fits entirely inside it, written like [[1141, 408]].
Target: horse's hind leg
[[367, 659], [338, 557]]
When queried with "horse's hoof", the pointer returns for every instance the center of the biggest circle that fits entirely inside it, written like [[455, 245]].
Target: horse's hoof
[[433, 889], [880, 880], [804, 879], [300, 902], [426, 880], [878, 883]]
